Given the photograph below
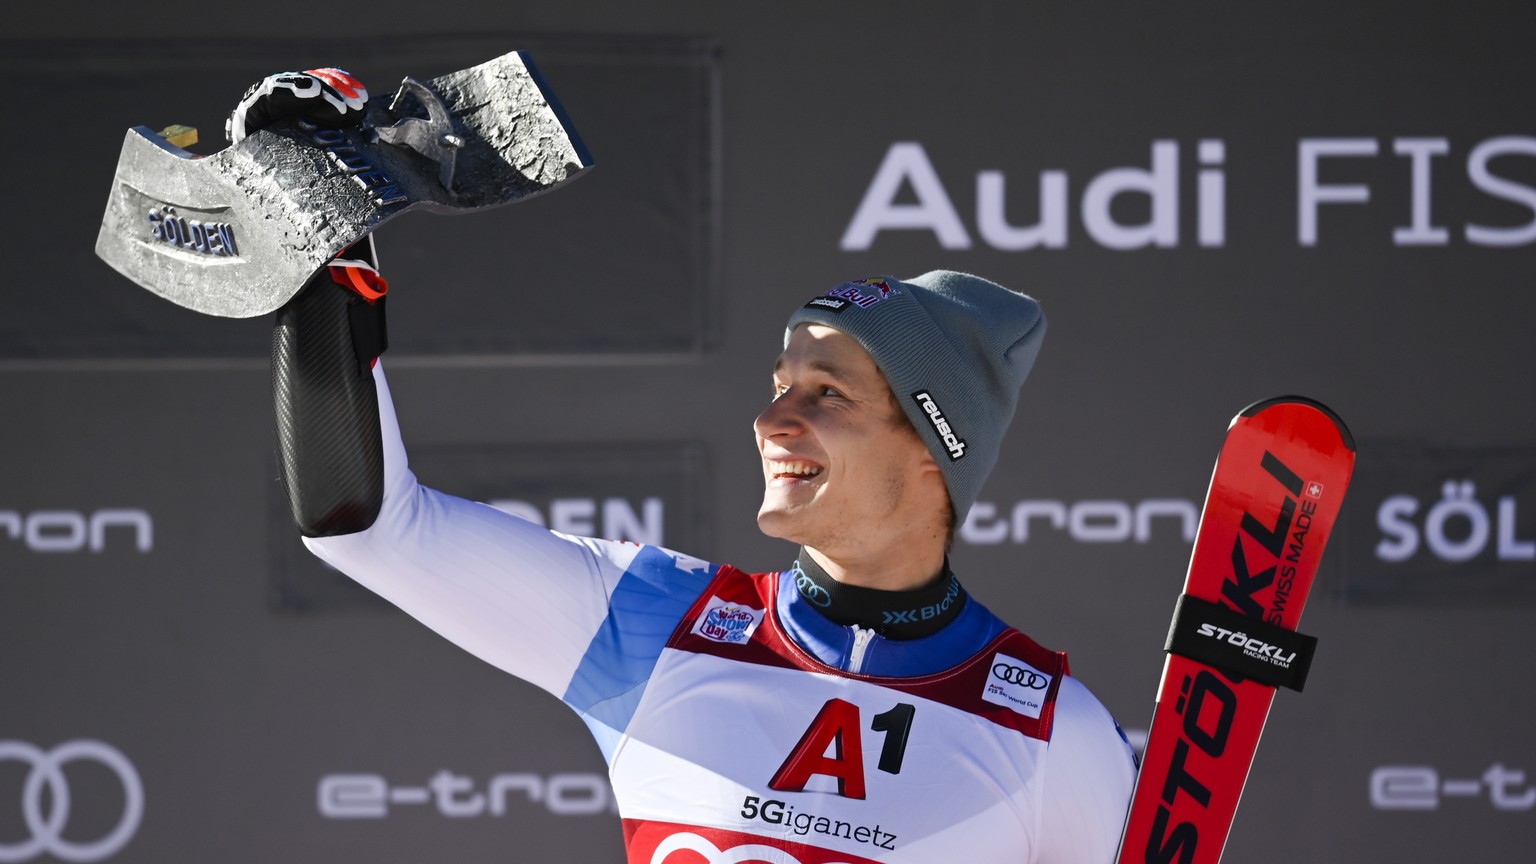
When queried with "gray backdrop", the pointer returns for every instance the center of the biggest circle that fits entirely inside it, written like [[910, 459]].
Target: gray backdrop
[[1214, 206]]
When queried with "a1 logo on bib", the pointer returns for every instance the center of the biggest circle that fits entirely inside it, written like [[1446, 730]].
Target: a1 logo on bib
[[727, 622], [1016, 685]]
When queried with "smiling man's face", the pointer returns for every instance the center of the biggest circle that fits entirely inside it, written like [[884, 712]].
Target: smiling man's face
[[844, 470]]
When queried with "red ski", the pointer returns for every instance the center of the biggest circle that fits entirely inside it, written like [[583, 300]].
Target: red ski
[[1274, 496]]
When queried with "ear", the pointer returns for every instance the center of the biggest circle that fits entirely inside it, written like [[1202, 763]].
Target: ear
[[926, 462], [929, 465]]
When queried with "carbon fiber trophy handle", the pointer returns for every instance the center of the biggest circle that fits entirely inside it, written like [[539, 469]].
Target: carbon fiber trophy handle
[[328, 441]]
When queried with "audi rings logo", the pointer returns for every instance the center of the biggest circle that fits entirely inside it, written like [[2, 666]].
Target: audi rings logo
[[1020, 676], [46, 830]]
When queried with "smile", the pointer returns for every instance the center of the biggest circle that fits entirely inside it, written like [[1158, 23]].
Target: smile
[[791, 470]]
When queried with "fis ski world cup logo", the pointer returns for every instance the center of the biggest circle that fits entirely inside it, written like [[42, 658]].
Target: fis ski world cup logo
[[1016, 685], [728, 622]]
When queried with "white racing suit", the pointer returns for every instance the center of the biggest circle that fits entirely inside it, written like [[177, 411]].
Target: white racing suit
[[739, 724]]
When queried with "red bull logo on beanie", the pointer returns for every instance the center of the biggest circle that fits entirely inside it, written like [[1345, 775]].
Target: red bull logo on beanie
[[881, 285], [862, 293]]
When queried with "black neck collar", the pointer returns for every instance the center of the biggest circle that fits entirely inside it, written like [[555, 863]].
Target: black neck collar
[[893, 614]]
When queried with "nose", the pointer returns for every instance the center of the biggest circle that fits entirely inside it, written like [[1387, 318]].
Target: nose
[[781, 417]]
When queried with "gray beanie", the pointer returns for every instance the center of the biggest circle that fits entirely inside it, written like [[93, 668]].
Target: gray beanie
[[955, 349]]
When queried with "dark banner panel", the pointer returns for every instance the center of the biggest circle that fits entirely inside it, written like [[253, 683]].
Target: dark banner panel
[[1443, 526], [640, 493], [646, 103]]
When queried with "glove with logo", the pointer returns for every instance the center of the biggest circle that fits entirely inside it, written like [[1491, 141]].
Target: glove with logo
[[326, 97], [329, 97]]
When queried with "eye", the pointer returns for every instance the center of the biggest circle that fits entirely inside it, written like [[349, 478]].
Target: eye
[[825, 390]]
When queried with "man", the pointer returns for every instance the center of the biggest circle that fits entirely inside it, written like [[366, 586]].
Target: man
[[858, 705]]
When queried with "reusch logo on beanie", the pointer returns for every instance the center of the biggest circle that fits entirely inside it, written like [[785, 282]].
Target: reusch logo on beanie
[[958, 345], [952, 442]]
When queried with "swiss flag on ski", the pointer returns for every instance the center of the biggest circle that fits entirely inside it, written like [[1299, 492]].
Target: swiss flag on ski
[[1274, 496]]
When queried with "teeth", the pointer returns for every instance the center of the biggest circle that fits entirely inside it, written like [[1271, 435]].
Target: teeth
[[797, 468]]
